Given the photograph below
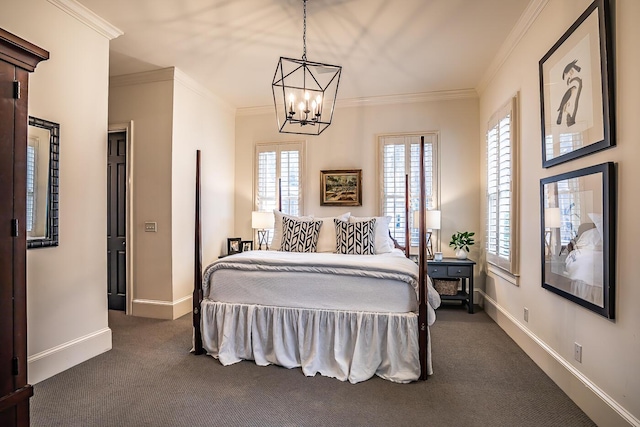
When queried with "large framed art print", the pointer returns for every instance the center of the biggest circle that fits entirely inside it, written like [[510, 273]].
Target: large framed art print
[[576, 89], [578, 236]]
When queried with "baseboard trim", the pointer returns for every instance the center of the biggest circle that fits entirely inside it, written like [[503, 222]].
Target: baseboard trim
[[50, 362], [156, 309], [597, 404]]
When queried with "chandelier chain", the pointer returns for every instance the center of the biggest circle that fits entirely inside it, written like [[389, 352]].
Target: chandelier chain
[[304, 31]]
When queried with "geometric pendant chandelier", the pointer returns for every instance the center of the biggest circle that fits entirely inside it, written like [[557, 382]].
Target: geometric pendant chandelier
[[304, 92]]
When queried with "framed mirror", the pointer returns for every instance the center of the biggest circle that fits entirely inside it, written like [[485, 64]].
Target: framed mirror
[[578, 236], [43, 151]]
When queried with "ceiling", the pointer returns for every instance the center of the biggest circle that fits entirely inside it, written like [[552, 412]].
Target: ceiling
[[385, 47]]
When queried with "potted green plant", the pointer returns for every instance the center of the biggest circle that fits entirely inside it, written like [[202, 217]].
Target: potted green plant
[[460, 241]]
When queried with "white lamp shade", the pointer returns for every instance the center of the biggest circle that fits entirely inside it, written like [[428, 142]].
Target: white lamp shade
[[552, 218], [432, 219], [262, 220]]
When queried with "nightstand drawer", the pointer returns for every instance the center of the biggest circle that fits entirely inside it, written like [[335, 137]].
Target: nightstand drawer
[[436, 271], [459, 271]]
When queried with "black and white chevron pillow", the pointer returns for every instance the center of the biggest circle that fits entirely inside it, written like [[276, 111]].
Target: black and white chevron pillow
[[355, 238], [299, 236]]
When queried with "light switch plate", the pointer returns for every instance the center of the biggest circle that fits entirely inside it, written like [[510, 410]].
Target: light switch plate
[[150, 227]]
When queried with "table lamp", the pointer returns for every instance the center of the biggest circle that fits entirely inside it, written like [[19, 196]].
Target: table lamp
[[552, 219], [262, 221], [431, 222]]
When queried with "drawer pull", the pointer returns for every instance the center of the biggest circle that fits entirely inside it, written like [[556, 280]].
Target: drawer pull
[[459, 271]]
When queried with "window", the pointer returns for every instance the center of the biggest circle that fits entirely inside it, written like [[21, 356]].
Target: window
[[31, 184], [279, 163], [502, 220], [567, 193], [400, 155]]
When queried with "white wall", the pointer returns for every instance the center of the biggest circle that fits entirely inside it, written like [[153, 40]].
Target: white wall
[[606, 385], [66, 297], [351, 143], [146, 99], [173, 116], [201, 122]]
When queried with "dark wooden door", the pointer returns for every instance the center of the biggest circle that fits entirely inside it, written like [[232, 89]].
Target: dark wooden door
[[17, 59], [117, 221]]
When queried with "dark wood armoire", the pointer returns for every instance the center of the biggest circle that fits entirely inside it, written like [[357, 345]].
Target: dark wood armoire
[[17, 59]]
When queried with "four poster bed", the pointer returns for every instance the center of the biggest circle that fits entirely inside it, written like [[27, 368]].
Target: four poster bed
[[363, 311]]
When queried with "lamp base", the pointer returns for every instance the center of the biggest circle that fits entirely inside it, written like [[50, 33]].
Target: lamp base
[[263, 237], [429, 246]]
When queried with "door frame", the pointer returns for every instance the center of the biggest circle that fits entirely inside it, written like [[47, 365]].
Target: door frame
[[127, 128]]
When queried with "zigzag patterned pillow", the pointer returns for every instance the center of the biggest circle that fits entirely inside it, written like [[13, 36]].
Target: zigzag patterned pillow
[[355, 238], [299, 236]]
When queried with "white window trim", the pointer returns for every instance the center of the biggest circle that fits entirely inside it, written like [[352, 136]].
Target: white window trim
[[280, 146], [435, 135], [508, 267]]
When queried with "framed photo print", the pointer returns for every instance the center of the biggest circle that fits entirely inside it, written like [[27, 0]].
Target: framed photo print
[[234, 245], [576, 89], [578, 236], [247, 245], [341, 187]]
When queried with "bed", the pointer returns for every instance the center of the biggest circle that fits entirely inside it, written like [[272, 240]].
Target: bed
[[584, 264], [349, 315]]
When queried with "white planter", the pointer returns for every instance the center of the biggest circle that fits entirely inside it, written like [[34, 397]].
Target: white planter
[[461, 254]]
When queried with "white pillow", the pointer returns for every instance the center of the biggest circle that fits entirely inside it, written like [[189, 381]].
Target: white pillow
[[590, 239], [327, 237], [276, 242], [597, 220], [381, 231]]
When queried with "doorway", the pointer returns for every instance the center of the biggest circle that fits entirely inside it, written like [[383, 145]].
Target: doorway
[[117, 220]]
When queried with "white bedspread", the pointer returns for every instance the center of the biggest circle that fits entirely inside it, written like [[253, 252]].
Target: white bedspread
[[392, 265], [584, 268], [343, 316]]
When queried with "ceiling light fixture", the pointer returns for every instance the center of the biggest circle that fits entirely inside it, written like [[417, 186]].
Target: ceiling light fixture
[[304, 92]]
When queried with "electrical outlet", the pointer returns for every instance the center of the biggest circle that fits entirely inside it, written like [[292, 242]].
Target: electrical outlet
[[151, 227], [577, 352], [526, 314]]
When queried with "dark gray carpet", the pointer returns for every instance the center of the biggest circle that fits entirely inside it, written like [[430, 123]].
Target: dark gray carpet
[[482, 378]]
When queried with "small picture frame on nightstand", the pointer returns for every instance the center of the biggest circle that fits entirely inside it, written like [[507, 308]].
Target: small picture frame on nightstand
[[234, 245]]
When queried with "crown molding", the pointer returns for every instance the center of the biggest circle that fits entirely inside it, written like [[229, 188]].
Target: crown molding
[[527, 19], [193, 85], [89, 18], [154, 76], [445, 95], [169, 74]]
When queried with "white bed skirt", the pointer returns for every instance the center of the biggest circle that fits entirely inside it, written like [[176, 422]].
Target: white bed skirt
[[346, 345]]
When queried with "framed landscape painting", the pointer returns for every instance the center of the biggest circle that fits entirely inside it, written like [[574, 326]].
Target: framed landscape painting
[[341, 187], [576, 89]]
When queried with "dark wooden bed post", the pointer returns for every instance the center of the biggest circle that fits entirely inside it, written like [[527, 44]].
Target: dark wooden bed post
[[422, 274], [279, 195], [197, 272], [407, 236]]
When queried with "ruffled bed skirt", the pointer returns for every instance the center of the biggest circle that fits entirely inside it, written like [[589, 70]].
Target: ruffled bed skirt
[[346, 345]]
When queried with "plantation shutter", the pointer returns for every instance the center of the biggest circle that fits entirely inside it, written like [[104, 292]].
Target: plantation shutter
[[31, 186], [279, 162], [500, 227], [400, 155]]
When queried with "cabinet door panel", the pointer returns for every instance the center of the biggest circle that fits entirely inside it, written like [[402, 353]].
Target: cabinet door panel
[[6, 215]]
